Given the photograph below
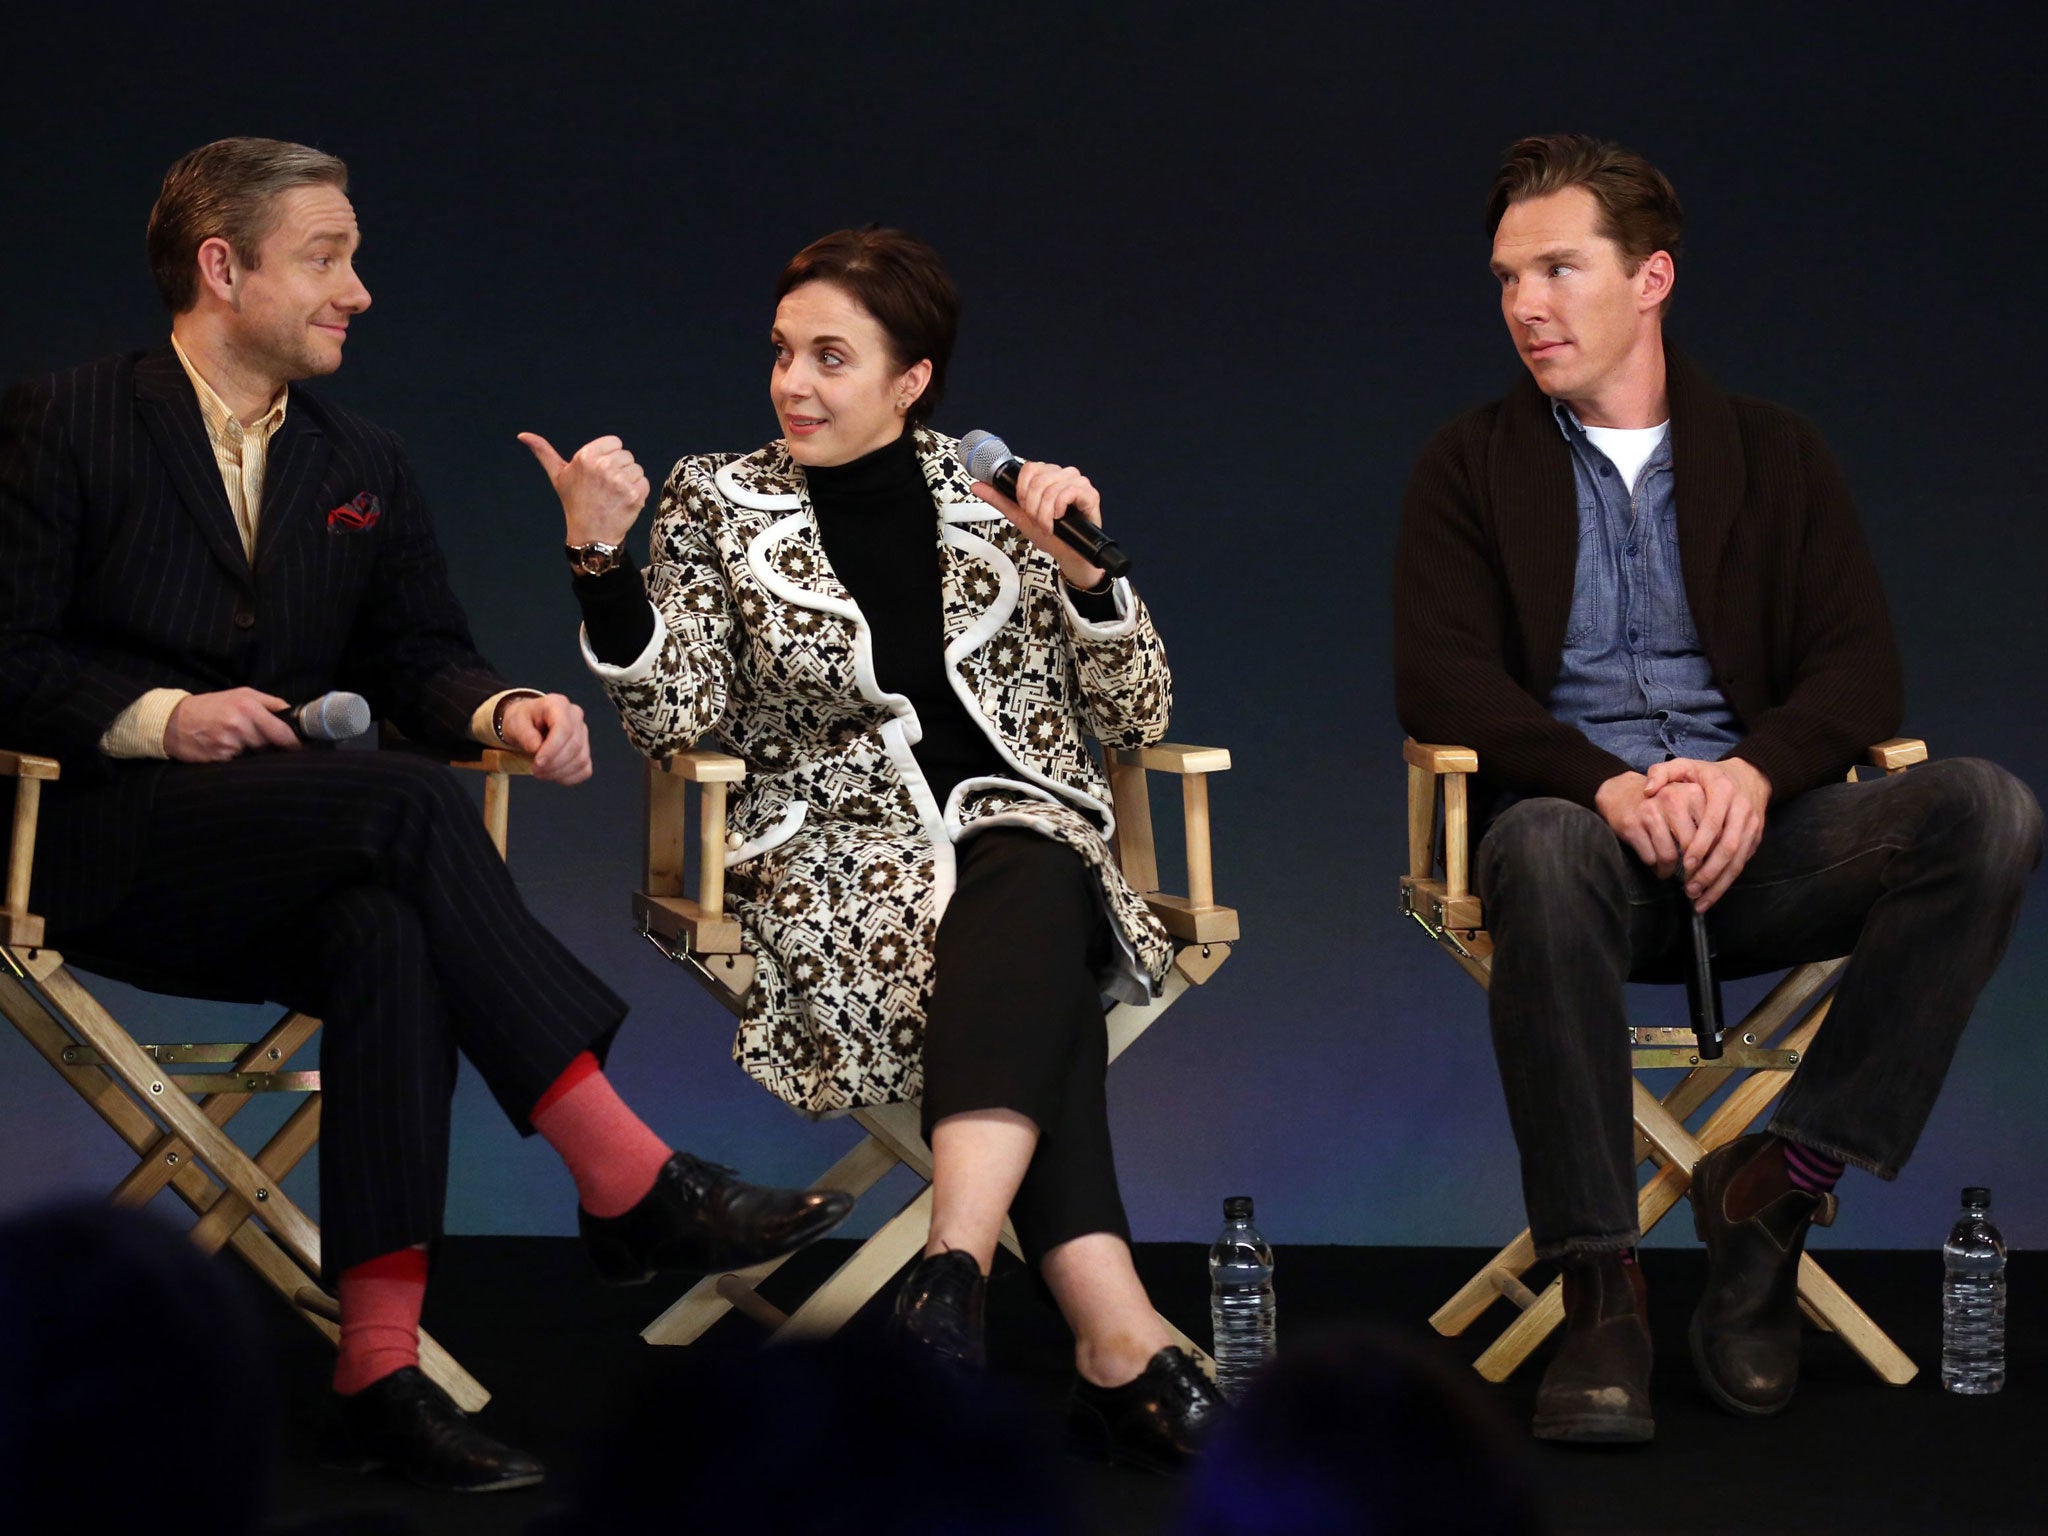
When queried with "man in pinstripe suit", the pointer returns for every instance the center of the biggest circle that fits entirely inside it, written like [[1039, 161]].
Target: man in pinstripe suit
[[195, 542]]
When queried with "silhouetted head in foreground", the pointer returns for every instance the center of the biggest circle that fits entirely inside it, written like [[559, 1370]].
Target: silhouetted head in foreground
[[125, 1352], [1362, 1433], [848, 1436]]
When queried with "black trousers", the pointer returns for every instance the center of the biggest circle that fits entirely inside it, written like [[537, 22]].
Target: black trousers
[[361, 888], [1015, 1023], [1916, 877]]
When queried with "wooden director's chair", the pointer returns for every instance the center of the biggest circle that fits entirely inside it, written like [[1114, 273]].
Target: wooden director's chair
[[697, 933], [1443, 904], [172, 1117]]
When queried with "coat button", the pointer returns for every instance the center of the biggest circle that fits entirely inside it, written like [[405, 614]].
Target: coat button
[[733, 840], [244, 619]]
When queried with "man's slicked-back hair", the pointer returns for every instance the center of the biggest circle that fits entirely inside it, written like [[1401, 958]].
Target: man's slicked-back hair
[[900, 281], [1638, 209], [226, 190]]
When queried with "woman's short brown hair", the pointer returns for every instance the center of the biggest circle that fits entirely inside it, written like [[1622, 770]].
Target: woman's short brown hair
[[226, 190], [899, 280], [1638, 209]]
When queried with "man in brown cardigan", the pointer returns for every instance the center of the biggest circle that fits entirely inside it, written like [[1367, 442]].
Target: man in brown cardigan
[[1648, 606]]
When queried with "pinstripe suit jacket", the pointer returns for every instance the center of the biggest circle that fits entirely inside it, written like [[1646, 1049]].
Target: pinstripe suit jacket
[[123, 571]]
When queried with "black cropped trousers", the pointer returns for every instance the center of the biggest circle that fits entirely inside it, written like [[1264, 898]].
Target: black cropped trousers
[[1016, 1022]]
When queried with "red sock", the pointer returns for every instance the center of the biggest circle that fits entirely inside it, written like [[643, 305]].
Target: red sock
[[611, 1154], [380, 1318]]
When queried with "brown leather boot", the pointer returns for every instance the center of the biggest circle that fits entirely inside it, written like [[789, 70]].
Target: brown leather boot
[[1597, 1389], [1745, 1333]]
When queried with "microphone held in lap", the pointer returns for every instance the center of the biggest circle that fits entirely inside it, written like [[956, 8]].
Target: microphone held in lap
[[331, 717], [1703, 990], [988, 459]]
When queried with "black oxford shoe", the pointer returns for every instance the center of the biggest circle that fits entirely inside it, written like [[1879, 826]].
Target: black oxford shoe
[[701, 1217], [1158, 1421], [408, 1424], [1745, 1333], [941, 1307], [1597, 1388]]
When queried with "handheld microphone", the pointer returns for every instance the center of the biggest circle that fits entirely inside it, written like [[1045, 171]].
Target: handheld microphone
[[988, 459], [1703, 992], [331, 717]]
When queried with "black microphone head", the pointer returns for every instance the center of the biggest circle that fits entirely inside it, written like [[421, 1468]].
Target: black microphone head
[[983, 453], [335, 717]]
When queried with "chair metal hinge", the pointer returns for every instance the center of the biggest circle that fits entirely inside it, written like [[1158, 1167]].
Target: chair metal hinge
[[729, 990], [1447, 937], [671, 949], [1657, 1046]]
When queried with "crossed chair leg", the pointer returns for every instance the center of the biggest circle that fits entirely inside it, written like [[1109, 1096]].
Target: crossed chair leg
[[1661, 1136], [181, 1142], [893, 1140]]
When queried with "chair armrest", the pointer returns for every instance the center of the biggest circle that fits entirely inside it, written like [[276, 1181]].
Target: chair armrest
[[1900, 753], [1178, 757], [17, 924], [1427, 762], [1433, 758], [1194, 918], [25, 765], [662, 905], [704, 766], [498, 765], [494, 760], [1448, 902]]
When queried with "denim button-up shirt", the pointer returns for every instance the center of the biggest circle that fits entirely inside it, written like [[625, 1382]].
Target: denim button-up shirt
[[1633, 677]]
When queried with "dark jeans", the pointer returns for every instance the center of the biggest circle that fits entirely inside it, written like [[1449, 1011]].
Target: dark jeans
[[1015, 1022], [1917, 877]]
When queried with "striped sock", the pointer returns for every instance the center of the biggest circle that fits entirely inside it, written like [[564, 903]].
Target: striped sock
[[1806, 1169]]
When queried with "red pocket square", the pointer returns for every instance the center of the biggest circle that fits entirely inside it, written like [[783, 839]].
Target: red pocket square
[[359, 514]]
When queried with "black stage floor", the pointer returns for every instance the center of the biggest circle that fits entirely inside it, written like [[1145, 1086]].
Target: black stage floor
[[1851, 1455]]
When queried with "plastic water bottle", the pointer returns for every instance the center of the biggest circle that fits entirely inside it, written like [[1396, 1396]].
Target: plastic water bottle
[[1240, 1298], [1973, 1300]]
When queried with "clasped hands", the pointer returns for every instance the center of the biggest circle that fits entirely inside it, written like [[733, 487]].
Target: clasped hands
[[1705, 817]]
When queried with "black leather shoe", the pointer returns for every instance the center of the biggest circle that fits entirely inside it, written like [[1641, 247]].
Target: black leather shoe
[[1158, 1421], [408, 1424], [701, 1217], [1745, 1333], [1597, 1389], [941, 1307]]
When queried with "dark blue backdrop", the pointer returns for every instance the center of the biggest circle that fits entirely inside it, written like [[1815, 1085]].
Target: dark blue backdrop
[[1228, 261]]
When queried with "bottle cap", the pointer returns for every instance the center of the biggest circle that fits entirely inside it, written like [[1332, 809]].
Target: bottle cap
[[1977, 1198], [1237, 1208]]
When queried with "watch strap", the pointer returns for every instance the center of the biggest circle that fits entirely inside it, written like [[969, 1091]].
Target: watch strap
[[594, 558]]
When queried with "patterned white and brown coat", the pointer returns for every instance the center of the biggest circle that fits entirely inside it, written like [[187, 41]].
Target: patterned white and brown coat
[[840, 861]]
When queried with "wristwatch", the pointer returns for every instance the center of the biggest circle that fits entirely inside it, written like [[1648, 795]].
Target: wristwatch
[[594, 559]]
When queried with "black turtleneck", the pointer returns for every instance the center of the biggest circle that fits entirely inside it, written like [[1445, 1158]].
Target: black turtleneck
[[880, 530], [881, 534]]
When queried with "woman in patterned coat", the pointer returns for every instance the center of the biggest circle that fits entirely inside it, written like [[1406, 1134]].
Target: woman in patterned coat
[[910, 662]]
